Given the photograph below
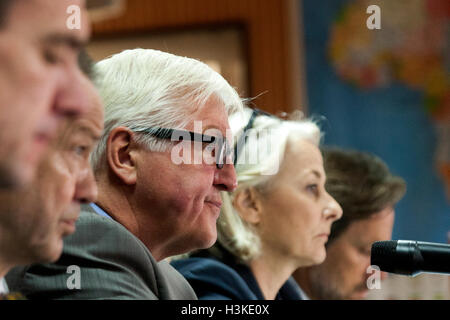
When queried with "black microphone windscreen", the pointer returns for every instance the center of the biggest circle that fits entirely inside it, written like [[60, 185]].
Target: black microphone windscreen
[[383, 254], [410, 257]]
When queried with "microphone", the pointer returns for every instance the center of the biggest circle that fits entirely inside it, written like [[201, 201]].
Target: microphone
[[411, 257]]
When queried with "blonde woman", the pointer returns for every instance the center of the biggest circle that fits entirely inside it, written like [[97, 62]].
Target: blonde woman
[[277, 220]]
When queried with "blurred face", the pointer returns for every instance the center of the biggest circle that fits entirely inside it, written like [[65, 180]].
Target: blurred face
[[343, 274], [46, 211], [184, 199], [297, 211], [40, 80]]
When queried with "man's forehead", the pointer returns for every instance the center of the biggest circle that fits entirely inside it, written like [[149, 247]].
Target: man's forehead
[[86, 127], [210, 123], [58, 9], [89, 124], [215, 128], [49, 18], [92, 121], [374, 228], [212, 113]]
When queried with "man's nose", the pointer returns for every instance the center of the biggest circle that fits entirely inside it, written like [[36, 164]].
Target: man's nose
[[86, 188], [72, 98], [225, 179]]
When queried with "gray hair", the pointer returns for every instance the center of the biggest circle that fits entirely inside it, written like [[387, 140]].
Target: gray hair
[[233, 233], [144, 88]]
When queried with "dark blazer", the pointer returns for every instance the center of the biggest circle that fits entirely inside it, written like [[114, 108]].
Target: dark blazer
[[221, 277], [114, 264]]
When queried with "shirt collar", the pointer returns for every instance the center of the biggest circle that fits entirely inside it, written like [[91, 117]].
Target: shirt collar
[[3, 286], [99, 210], [303, 294]]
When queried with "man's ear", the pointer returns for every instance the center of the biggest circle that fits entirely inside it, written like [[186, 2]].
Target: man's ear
[[120, 154], [247, 203]]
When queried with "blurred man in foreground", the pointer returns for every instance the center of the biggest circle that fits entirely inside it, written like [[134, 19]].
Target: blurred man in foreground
[[41, 83], [36, 218]]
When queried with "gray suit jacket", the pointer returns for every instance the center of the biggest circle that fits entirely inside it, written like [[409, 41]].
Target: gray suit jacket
[[113, 264]]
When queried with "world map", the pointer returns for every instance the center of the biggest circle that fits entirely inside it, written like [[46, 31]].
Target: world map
[[412, 47]]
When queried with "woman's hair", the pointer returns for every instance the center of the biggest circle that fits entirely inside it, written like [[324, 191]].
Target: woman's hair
[[361, 183], [269, 136], [144, 88]]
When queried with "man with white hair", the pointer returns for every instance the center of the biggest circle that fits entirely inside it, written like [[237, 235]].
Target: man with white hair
[[155, 199]]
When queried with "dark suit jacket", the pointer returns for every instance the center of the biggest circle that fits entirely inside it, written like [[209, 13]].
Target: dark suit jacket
[[114, 264], [222, 278]]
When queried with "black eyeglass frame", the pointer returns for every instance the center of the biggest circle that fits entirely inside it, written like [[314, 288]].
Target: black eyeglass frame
[[241, 141], [180, 135]]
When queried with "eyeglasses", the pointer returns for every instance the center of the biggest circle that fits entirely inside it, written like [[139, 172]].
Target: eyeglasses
[[241, 142], [223, 146]]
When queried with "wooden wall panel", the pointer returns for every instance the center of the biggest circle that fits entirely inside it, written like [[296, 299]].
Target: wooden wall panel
[[266, 25]]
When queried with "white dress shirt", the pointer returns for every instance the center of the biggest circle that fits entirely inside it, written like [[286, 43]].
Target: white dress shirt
[[3, 286]]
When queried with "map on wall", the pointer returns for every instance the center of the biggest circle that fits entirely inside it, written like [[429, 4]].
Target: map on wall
[[387, 92], [412, 48]]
